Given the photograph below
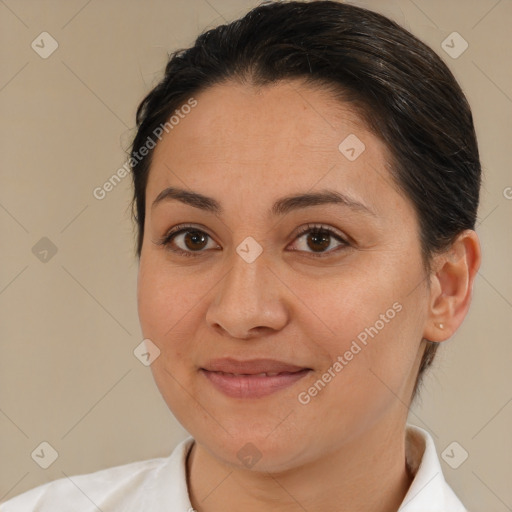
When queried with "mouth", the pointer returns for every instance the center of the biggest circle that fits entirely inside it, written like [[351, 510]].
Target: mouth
[[252, 378]]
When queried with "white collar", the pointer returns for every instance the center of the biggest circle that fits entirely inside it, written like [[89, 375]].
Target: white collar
[[429, 491]]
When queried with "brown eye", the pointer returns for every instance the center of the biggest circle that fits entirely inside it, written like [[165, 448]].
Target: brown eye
[[186, 241], [318, 239], [195, 240]]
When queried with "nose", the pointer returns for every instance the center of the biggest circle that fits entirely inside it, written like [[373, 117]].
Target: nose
[[248, 302]]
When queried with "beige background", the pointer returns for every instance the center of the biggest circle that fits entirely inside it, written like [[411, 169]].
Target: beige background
[[69, 325]]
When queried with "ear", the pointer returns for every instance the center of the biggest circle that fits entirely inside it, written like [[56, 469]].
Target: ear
[[452, 281]]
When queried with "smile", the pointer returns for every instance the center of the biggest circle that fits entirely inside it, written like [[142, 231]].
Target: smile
[[251, 383]]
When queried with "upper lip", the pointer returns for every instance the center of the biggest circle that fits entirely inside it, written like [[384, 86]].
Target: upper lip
[[251, 366]]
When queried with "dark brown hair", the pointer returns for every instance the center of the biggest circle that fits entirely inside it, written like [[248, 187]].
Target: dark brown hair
[[399, 86]]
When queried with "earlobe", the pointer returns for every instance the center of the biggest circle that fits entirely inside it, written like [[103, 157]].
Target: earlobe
[[452, 285]]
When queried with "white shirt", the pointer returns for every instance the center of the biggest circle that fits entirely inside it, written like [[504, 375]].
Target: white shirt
[[160, 485]]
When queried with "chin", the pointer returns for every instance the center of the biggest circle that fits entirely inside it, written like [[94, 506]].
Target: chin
[[252, 448]]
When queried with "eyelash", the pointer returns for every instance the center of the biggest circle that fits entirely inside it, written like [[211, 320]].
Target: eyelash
[[309, 228]]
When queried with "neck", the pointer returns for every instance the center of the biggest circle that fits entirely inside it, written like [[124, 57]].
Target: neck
[[368, 474]]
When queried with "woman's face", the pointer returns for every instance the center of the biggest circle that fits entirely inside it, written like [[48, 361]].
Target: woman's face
[[340, 315]]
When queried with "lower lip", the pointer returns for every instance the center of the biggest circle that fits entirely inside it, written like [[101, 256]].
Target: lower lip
[[252, 386]]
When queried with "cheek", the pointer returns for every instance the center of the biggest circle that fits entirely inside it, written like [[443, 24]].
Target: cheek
[[164, 314], [373, 334], [168, 303], [368, 366], [165, 298]]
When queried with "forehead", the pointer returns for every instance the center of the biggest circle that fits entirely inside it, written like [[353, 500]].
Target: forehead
[[279, 115], [283, 137]]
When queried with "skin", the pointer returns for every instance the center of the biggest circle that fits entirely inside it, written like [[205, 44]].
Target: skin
[[344, 450]]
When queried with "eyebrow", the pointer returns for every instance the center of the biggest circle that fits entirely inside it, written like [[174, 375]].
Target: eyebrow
[[282, 206]]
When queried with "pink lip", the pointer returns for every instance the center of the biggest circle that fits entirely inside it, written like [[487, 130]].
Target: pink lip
[[243, 379]]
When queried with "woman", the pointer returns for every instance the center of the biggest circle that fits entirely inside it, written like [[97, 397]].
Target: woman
[[306, 184]]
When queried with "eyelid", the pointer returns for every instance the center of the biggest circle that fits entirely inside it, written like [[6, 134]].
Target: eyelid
[[320, 227]]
